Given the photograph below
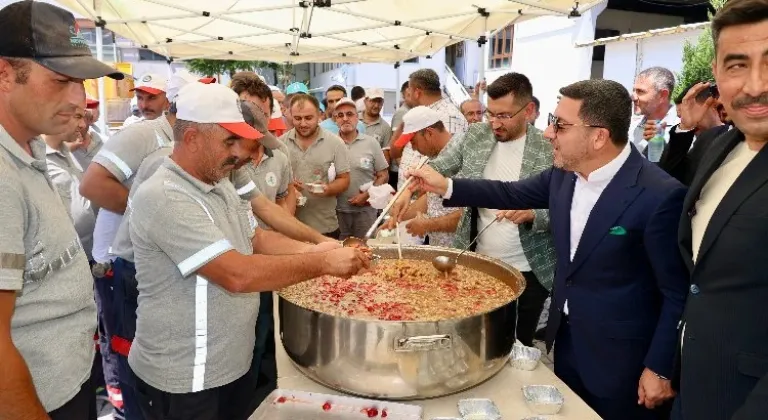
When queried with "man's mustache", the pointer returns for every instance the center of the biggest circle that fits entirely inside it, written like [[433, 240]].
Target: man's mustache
[[746, 100], [231, 161]]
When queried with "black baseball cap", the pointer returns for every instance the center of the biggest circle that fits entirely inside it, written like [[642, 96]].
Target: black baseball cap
[[50, 36]]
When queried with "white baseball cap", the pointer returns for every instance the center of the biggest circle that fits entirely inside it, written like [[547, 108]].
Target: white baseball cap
[[214, 104], [373, 93], [274, 88], [151, 83], [180, 79], [345, 101], [415, 120]]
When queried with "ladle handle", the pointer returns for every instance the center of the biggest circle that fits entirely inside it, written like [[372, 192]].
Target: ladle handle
[[475, 240], [384, 212]]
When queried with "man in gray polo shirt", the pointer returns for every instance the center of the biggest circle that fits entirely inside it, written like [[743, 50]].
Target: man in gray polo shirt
[[199, 257], [375, 126], [47, 313], [368, 165], [270, 168], [66, 174], [313, 150]]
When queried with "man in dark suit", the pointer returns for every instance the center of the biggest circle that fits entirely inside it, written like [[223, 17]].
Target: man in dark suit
[[723, 233], [700, 125], [620, 283]]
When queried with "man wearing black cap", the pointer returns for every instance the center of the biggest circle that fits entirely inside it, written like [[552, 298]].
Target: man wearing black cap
[[47, 312]]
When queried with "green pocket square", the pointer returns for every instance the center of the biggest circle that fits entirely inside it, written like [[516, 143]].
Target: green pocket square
[[617, 230]]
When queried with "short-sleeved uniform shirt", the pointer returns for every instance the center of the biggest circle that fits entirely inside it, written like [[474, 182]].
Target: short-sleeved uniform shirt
[[365, 159], [191, 334], [272, 174], [122, 156], [85, 156], [66, 175], [380, 131], [311, 166], [122, 246], [42, 260]]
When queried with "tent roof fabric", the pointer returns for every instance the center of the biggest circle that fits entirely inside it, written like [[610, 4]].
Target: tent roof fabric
[[299, 31], [645, 34]]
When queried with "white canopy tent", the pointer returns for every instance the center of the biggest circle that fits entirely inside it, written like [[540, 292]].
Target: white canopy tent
[[299, 31]]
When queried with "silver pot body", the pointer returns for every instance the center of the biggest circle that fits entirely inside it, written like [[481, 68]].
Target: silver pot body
[[398, 360]]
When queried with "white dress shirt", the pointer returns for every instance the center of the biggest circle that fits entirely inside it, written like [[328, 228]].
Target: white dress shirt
[[586, 192], [638, 126]]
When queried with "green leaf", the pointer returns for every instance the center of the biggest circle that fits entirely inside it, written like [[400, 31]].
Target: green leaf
[[698, 58]]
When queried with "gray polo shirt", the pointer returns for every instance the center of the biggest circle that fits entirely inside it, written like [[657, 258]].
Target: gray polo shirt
[[365, 158], [122, 246], [42, 260], [85, 156], [66, 175], [380, 131], [272, 174], [191, 335], [312, 165]]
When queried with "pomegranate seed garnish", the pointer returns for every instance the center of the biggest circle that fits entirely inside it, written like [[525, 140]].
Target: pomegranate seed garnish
[[281, 400], [327, 406]]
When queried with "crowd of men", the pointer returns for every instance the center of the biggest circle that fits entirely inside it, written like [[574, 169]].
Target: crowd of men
[[166, 239]]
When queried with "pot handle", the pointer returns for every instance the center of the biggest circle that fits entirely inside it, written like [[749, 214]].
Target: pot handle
[[423, 343]]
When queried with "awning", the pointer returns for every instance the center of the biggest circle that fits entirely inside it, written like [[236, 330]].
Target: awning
[[311, 30], [645, 34]]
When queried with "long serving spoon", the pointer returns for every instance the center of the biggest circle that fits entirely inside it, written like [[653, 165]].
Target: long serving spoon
[[445, 264], [352, 241]]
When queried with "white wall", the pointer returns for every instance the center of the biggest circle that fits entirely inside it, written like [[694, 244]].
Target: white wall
[[379, 75], [622, 62], [544, 51]]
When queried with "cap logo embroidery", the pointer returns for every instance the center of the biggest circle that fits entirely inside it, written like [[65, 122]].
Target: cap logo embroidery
[[147, 78], [75, 39]]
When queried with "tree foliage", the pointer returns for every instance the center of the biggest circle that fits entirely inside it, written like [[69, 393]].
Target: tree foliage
[[698, 58], [282, 73]]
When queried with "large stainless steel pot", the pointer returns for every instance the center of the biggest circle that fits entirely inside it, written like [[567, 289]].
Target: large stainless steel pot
[[404, 360]]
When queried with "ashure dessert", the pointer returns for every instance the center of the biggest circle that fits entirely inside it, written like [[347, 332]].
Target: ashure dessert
[[403, 290]]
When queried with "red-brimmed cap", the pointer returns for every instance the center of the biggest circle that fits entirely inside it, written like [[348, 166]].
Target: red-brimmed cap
[[207, 80], [154, 84], [91, 103], [214, 104], [416, 120]]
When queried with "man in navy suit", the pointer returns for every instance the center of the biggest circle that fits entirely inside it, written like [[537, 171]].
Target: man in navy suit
[[620, 283]]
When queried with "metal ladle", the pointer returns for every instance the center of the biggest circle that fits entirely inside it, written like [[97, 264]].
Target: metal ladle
[[445, 264], [352, 241]]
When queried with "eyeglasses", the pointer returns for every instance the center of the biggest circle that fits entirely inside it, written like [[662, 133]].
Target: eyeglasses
[[349, 114], [490, 116], [558, 125]]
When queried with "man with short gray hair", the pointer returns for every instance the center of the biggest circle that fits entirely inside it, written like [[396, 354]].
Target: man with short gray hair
[[200, 259], [652, 99], [472, 110]]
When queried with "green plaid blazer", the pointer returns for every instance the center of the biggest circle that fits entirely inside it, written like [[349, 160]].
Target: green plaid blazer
[[466, 157]]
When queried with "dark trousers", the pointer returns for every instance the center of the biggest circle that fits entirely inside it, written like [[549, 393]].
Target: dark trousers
[[333, 235], [81, 407], [264, 365], [105, 307], [125, 302], [229, 402], [530, 305], [393, 179], [619, 407]]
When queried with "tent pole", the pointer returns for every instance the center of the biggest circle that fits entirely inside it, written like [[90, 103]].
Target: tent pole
[[483, 56], [100, 83], [397, 87]]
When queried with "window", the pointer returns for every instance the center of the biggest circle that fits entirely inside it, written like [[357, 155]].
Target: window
[[412, 60], [500, 48]]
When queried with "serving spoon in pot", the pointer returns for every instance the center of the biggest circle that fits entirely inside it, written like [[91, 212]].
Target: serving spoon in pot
[[446, 264], [352, 241]]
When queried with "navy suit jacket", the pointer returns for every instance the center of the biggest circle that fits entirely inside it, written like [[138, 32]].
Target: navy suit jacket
[[627, 283]]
